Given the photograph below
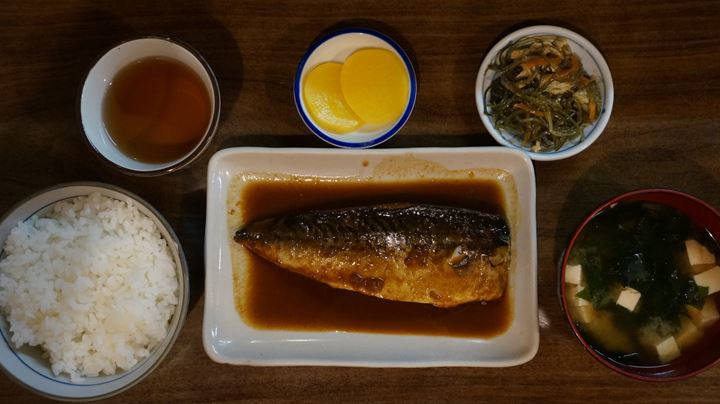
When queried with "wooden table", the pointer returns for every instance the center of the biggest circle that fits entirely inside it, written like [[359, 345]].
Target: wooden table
[[664, 132]]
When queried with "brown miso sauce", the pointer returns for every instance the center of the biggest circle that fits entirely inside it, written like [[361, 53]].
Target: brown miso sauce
[[156, 109], [276, 298]]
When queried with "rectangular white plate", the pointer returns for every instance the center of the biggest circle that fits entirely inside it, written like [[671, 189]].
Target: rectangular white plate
[[228, 339]]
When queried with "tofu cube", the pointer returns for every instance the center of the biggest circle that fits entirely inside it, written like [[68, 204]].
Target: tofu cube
[[667, 350], [709, 279], [628, 298], [698, 254], [689, 333], [573, 274], [572, 298], [584, 314], [705, 317]]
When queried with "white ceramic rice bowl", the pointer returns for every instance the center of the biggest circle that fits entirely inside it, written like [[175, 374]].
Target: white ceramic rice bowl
[[27, 365]]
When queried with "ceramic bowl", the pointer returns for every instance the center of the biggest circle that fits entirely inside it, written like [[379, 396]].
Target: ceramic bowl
[[593, 63], [336, 47], [27, 365], [100, 77], [696, 359]]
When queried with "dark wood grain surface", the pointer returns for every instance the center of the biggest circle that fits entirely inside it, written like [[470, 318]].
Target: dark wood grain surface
[[664, 132]]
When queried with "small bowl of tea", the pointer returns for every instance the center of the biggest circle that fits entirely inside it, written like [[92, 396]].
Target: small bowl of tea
[[150, 106]]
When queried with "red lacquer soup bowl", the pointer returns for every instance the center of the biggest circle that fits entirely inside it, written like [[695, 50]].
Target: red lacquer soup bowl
[[704, 353]]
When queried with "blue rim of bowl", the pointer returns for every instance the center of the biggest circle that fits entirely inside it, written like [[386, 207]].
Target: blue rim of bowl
[[596, 129], [202, 144], [173, 335], [386, 135]]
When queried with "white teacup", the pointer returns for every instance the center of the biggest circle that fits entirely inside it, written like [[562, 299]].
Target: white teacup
[[96, 85]]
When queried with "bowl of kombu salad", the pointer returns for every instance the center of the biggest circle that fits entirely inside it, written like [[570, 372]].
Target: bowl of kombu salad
[[639, 283], [546, 91]]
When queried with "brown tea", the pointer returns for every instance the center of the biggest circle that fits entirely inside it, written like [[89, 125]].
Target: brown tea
[[156, 109]]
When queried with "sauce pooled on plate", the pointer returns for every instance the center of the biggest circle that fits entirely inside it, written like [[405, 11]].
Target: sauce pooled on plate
[[274, 298]]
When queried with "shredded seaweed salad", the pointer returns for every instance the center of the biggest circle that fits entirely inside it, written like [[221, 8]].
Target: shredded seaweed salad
[[540, 94]]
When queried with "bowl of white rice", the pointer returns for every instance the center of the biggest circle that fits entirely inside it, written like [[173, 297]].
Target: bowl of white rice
[[93, 291]]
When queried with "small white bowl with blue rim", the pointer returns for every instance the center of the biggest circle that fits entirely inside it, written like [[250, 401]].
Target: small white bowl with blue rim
[[336, 47], [27, 366], [593, 63]]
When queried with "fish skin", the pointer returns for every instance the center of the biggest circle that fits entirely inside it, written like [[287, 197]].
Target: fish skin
[[443, 256]]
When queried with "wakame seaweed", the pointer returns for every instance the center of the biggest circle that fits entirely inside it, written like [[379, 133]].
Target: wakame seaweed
[[637, 244], [640, 245]]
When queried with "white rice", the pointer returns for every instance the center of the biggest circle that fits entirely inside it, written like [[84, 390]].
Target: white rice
[[92, 282]]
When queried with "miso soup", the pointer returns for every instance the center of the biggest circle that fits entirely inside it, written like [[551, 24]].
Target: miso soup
[[639, 283]]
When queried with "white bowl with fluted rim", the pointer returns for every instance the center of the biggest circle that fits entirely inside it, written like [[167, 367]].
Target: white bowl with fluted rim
[[593, 63], [99, 79], [27, 366], [336, 47]]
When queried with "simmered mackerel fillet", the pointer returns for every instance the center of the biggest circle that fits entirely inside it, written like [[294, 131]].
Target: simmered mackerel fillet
[[415, 253]]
